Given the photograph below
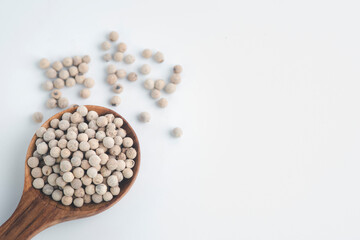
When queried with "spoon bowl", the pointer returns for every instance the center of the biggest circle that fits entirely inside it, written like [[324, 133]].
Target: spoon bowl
[[37, 211]]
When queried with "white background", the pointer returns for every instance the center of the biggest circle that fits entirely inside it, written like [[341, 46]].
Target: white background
[[269, 106]]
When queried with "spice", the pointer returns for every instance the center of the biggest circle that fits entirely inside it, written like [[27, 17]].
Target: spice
[[177, 69], [118, 88], [175, 78], [146, 53], [85, 93], [149, 84], [155, 94], [170, 88], [106, 45], [144, 117], [48, 85], [162, 102], [44, 63], [121, 73], [132, 77], [113, 36], [145, 69], [38, 117], [115, 101], [159, 57], [129, 59], [159, 84], [118, 56], [177, 132]]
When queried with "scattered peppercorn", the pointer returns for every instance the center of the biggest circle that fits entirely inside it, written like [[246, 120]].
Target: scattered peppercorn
[[146, 53], [144, 117], [118, 88], [145, 69], [115, 101], [162, 102], [159, 57], [177, 132], [113, 36], [132, 77], [38, 117], [129, 59], [121, 47], [44, 63]]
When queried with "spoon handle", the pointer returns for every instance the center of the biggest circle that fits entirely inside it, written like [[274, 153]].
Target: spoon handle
[[31, 216]]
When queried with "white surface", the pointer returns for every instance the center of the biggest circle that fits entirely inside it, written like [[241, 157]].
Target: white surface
[[269, 106]]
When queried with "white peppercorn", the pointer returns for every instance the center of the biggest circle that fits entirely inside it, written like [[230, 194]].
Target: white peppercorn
[[132, 77], [48, 85], [115, 191], [130, 163], [53, 143], [57, 66], [59, 83], [94, 160], [66, 200], [113, 36], [60, 182], [118, 56], [86, 180], [83, 137], [149, 84], [76, 183], [59, 133], [86, 59], [79, 193], [106, 45], [48, 135], [57, 195], [94, 144], [146, 53], [84, 146], [121, 133], [76, 162], [38, 183], [73, 145], [44, 63], [115, 150], [145, 69], [51, 103], [112, 164], [78, 202], [42, 148], [90, 189], [87, 198], [159, 84], [119, 176], [107, 197], [131, 153], [93, 125], [155, 94], [37, 142], [121, 47], [128, 173], [115, 101], [162, 102], [177, 69], [70, 82], [55, 152], [89, 83], [36, 172], [77, 60], [38, 117], [96, 198], [91, 172], [92, 115], [101, 189], [82, 110], [65, 165], [111, 79], [46, 170], [76, 118], [64, 74], [177, 132], [144, 117], [68, 177], [118, 88], [90, 133], [67, 62], [66, 116], [98, 179], [48, 189], [118, 122], [128, 142], [129, 59], [56, 94], [105, 172], [33, 162], [83, 68], [56, 168], [107, 57], [80, 79], [112, 181], [52, 179], [175, 78], [82, 127], [159, 57], [85, 93], [63, 103], [102, 121], [73, 71], [51, 73], [170, 88], [120, 73]]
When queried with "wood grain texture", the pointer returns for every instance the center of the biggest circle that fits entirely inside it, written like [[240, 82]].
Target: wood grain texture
[[36, 211]]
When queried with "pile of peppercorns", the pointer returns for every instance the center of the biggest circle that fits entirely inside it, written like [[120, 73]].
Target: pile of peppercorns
[[68, 73], [82, 158]]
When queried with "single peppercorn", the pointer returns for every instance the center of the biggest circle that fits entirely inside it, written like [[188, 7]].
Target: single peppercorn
[[63, 103], [111, 79], [170, 88], [177, 69], [177, 132], [145, 69], [162, 102], [83, 68], [77, 60], [118, 56], [159, 84], [56, 94], [107, 57], [120, 73], [118, 88], [146, 53], [144, 117], [73, 71], [121, 47], [132, 77], [51, 73], [113, 36], [48, 85], [59, 83], [67, 62], [64, 74], [129, 59], [89, 82], [115, 101], [175, 78], [38, 117], [57, 66], [159, 57], [85, 93], [155, 94], [44, 63], [106, 45], [86, 59], [51, 103], [70, 82], [149, 84]]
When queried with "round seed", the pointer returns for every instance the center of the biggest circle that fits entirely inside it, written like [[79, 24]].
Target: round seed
[[146, 53], [44, 63], [38, 117]]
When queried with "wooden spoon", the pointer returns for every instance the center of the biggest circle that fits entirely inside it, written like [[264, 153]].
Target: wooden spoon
[[36, 211]]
